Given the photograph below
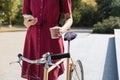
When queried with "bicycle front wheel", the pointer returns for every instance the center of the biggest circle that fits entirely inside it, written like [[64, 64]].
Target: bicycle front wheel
[[77, 72]]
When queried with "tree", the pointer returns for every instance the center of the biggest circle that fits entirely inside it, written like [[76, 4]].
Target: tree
[[76, 11], [104, 9], [1, 10], [88, 11], [115, 6], [19, 18], [11, 8]]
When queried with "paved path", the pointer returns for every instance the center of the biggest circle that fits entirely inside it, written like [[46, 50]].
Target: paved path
[[11, 43], [91, 49]]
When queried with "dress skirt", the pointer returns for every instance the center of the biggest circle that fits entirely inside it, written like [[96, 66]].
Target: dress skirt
[[38, 42]]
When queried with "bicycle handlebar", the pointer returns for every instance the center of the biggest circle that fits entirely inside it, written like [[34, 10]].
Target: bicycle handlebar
[[45, 58], [60, 56], [37, 61]]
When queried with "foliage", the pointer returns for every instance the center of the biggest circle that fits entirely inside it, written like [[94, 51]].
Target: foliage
[[108, 15], [19, 18], [84, 12], [115, 8], [76, 11], [88, 15], [10, 8], [104, 9], [1, 11], [107, 26]]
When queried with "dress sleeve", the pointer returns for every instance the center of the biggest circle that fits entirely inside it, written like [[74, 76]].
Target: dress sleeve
[[26, 7], [65, 6]]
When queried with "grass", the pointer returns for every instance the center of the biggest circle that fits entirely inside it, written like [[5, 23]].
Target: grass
[[15, 28], [11, 29]]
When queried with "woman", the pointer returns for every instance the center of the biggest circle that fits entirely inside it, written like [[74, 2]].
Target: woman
[[39, 17]]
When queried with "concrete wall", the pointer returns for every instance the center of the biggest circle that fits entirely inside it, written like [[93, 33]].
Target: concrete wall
[[117, 46]]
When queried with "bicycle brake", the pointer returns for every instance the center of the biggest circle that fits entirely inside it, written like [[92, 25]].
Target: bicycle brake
[[16, 62]]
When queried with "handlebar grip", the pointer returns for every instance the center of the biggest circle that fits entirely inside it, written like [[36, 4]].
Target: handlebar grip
[[19, 55], [60, 56]]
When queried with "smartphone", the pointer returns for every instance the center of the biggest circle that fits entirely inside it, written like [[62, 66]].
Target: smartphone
[[27, 16]]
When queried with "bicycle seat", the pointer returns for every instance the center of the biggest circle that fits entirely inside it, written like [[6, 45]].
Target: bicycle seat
[[70, 36]]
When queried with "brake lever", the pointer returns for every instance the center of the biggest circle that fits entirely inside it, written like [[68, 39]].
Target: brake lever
[[16, 62]]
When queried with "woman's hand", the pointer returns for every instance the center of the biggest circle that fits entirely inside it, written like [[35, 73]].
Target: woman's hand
[[29, 21], [59, 30]]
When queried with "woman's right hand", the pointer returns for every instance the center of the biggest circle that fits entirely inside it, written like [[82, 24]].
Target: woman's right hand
[[29, 21]]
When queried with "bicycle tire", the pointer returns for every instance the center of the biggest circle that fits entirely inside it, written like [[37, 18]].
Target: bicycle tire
[[77, 72]]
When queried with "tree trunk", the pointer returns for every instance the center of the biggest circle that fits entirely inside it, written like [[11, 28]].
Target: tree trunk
[[10, 23]]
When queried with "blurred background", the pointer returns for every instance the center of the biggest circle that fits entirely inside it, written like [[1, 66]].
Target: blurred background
[[100, 15]]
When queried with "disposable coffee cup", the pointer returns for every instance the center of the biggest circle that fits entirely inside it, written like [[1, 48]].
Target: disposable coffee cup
[[53, 31]]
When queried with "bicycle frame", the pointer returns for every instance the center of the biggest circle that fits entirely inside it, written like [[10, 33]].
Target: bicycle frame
[[68, 73], [47, 70]]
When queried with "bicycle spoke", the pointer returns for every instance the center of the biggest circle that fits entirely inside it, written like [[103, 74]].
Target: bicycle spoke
[[77, 73]]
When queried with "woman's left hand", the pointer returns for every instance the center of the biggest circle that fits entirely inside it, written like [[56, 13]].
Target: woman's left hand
[[60, 30]]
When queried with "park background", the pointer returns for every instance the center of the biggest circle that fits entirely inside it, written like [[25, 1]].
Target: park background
[[103, 16]]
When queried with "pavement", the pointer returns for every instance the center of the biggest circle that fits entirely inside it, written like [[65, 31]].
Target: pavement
[[82, 30], [94, 50]]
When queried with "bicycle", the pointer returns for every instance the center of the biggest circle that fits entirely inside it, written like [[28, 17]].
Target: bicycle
[[74, 69]]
